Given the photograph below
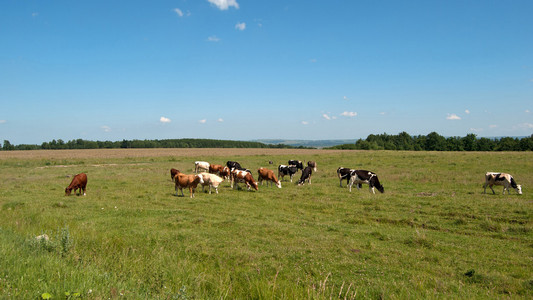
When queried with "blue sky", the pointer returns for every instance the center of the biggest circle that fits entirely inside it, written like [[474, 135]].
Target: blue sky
[[243, 69]]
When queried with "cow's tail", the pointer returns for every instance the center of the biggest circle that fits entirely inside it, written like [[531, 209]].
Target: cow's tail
[[513, 183]]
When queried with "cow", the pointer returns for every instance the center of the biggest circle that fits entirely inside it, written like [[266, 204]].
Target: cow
[[268, 175], [211, 180], [215, 169], [201, 166], [312, 164], [366, 177], [298, 164], [286, 170], [233, 165], [183, 181], [173, 173], [306, 175], [507, 180], [344, 173], [78, 182], [243, 176], [225, 173]]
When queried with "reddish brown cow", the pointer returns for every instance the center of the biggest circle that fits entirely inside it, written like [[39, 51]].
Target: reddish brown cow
[[173, 173], [243, 176], [268, 175], [183, 181], [78, 182], [225, 173], [215, 169]]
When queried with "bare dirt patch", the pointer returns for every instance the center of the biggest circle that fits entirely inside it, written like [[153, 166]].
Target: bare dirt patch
[[159, 152]]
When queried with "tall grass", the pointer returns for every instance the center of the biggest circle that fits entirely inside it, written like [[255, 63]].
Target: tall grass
[[432, 234]]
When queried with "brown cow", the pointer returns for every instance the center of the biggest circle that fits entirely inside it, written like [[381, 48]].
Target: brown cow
[[225, 173], [78, 182], [215, 169], [312, 164], [243, 176], [268, 175], [173, 173], [183, 181]]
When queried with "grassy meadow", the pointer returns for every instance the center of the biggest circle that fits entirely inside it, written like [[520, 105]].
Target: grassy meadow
[[432, 234]]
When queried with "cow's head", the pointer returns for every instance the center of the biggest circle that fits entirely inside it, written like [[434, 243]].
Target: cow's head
[[278, 184], [69, 190], [200, 179], [519, 189]]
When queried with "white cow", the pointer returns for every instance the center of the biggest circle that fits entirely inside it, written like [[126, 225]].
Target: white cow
[[507, 180], [212, 180], [201, 165]]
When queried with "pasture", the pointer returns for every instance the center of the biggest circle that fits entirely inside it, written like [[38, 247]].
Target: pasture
[[432, 234]]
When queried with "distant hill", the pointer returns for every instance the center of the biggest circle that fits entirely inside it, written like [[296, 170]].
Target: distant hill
[[306, 143]]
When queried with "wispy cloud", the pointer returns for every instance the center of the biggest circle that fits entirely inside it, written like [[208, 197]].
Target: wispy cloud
[[467, 111], [350, 114], [213, 38], [203, 121], [3, 121], [476, 129], [224, 4], [525, 126], [240, 26], [527, 111], [106, 128], [326, 116], [346, 98], [35, 14], [453, 117], [220, 120], [305, 123], [313, 60], [164, 120], [493, 126], [178, 12]]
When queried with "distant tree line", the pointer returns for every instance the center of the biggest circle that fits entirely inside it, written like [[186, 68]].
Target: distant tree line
[[437, 142], [170, 143]]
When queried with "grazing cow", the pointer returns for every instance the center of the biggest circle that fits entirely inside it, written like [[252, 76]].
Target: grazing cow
[[507, 180], [306, 175], [286, 170], [201, 165], [243, 176], [183, 181], [225, 173], [234, 165], [344, 173], [212, 180], [173, 173], [366, 177], [78, 182], [298, 164], [312, 164], [268, 175], [215, 169]]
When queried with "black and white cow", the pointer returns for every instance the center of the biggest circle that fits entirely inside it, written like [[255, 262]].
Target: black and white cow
[[298, 164], [234, 165], [306, 175], [366, 177], [344, 173], [286, 170], [507, 180]]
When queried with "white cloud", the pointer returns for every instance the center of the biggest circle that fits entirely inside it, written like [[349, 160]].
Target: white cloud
[[178, 12], [350, 114], [203, 121], [240, 26], [453, 117], [164, 120], [106, 128], [220, 120], [213, 38], [305, 122], [3, 121], [313, 60], [35, 14], [493, 126], [346, 98], [383, 113], [224, 4], [476, 129], [325, 116], [467, 111], [527, 111], [526, 126]]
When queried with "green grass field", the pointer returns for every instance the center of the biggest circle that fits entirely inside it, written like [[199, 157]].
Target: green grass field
[[432, 234]]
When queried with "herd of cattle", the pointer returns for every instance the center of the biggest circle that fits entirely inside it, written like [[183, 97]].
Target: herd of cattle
[[213, 175]]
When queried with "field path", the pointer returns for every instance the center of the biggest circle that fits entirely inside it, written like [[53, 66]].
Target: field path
[[158, 152]]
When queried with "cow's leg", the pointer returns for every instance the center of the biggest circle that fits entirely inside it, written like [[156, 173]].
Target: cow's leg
[[372, 190], [493, 192], [84, 188], [191, 191], [350, 185], [181, 189], [340, 182], [291, 177], [485, 188]]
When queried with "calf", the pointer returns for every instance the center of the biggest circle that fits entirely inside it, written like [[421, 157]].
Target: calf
[[212, 180], [173, 173], [78, 182], [344, 173], [306, 175], [366, 177], [201, 165], [243, 176], [298, 164], [268, 175], [183, 181], [286, 170], [507, 180], [312, 164]]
